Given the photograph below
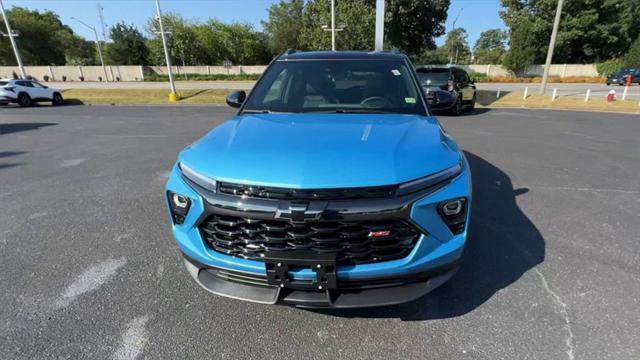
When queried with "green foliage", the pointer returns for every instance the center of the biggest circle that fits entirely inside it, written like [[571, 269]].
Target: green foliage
[[356, 16], [478, 77], [284, 25], [632, 58], [43, 38], [608, 67], [457, 47], [590, 31], [438, 56], [128, 46], [213, 42], [412, 26], [521, 54], [490, 47], [201, 77]]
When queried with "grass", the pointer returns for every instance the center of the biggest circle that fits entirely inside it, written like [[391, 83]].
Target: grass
[[201, 77], [144, 96], [537, 101]]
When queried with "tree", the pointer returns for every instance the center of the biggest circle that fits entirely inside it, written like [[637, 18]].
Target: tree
[[194, 43], [284, 25], [79, 51], [413, 25], [632, 58], [438, 56], [590, 31], [42, 41], [457, 46], [490, 47], [521, 54], [128, 46], [355, 16]]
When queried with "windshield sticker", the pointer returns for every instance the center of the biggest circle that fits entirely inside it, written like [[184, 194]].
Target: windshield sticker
[[395, 72], [410, 100]]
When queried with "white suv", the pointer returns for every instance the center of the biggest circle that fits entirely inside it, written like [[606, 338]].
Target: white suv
[[26, 92]]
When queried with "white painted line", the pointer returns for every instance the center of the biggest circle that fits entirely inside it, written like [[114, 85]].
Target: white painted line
[[72, 162], [133, 341], [90, 280]]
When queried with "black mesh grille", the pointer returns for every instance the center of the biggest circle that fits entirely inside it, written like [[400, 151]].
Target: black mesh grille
[[306, 194], [352, 242]]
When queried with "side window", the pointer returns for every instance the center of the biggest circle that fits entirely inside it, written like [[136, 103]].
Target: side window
[[36, 85], [26, 83]]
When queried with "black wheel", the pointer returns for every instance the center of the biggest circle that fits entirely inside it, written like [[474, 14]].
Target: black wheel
[[620, 84], [608, 83], [24, 99], [57, 99], [472, 104], [457, 107]]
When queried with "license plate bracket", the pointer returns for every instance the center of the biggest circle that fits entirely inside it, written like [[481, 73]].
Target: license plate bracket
[[279, 264]]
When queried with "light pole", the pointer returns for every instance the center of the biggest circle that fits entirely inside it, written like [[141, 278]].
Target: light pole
[[379, 40], [552, 44], [333, 28], [173, 96], [453, 28], [95, 33], [11, 36]]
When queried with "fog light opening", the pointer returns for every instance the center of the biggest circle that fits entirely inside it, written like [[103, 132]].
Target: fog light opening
[[179, 206], [454, 214]]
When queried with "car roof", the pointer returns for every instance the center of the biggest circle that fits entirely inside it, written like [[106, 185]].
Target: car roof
[[333, 55]]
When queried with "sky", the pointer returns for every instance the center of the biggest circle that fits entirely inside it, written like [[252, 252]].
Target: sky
[[475, 15]]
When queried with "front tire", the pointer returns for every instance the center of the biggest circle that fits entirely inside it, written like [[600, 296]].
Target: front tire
[[24, 100], [57, 99]]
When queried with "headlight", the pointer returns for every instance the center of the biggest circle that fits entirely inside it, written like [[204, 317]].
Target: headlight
[[429, 181], [197, 178], [454, 214]]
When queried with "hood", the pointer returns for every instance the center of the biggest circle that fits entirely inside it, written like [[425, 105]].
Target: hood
[[317, 151]]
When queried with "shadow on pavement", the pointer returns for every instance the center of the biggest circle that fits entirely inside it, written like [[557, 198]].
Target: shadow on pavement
[[19, 127], [502, 245]]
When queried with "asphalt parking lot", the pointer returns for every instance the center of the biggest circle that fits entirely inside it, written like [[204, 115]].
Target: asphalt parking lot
[[89, 270]]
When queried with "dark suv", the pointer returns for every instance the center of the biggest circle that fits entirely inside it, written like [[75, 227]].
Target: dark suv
[[620, 76], [447, 88]]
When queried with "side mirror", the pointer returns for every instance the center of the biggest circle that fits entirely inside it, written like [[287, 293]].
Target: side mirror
[[236, 98]]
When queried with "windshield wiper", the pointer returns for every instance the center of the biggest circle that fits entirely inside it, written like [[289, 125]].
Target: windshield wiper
[[249, 111], [360, 111]]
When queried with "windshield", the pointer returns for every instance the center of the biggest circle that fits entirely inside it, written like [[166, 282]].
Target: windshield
[[433, 76], [359, 86]]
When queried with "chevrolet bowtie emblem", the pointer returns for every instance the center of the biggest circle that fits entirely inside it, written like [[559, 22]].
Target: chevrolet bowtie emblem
[[297, 211]]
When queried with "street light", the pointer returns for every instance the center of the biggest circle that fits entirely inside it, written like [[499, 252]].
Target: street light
[[552, 44], [11, 34], [173, 96], [95, 33], [333, 28]]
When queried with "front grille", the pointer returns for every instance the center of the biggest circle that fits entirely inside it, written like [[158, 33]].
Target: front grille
[[350, 241], [306, 194]]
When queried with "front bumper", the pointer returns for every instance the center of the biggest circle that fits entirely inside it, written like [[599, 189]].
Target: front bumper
[[350, 294], [430, 263]]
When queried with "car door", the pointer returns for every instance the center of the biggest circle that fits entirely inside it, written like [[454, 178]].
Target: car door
[[41, 91], [25, 86]]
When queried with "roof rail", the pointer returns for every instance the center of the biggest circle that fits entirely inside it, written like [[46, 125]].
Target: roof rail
[[395, 50], [290, 51]]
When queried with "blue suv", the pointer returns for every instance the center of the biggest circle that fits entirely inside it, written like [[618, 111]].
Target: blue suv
[[333, 186]]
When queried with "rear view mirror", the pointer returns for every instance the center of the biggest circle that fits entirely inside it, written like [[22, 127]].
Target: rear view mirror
[[236, 99]]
